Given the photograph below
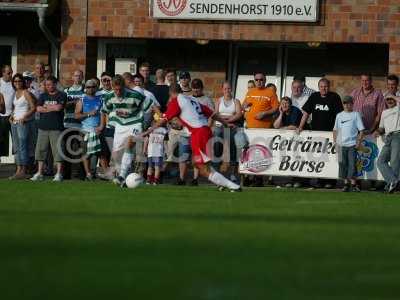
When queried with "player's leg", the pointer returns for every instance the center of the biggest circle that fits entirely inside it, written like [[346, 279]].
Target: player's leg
[[195, 180], [127, 157], [200, 145], [216, 177]]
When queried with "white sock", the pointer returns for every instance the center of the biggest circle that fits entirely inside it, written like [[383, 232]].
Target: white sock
[[126, 162], [219, 179]]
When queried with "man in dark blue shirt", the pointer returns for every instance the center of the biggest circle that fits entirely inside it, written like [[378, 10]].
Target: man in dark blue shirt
[[50, 107]]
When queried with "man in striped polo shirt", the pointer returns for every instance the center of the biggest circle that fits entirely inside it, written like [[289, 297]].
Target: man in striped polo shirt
[[75, 94], [126, 109], [108, 132], [369, 102]]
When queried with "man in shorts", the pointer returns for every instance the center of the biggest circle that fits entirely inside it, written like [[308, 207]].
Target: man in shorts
[[126, 109]]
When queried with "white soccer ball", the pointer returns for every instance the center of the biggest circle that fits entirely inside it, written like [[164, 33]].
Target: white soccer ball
[[133, 180]]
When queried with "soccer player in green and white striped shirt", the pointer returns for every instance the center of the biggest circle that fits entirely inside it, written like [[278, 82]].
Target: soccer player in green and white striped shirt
[[126, 109]]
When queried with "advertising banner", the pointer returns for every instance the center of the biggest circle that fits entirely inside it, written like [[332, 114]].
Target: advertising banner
[[237, 10], [312, 154]]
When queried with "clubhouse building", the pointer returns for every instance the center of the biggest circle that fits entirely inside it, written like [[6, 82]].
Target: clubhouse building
[[215, 40]]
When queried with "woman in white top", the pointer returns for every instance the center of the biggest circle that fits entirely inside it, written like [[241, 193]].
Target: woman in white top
[[21, 120], [232, 135]]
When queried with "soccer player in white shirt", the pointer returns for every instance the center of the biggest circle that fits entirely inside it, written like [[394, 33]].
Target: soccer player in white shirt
[[194, 116]]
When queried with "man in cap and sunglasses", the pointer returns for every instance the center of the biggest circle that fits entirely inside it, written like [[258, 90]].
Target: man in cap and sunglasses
[[88, 111]]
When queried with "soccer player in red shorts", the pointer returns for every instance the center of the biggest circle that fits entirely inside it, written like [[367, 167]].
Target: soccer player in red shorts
[[194, 116]]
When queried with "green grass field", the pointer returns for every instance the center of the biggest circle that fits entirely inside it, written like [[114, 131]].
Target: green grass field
[[95, 241]]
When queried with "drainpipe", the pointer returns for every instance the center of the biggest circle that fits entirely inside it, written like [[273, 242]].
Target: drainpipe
[[41, 12]]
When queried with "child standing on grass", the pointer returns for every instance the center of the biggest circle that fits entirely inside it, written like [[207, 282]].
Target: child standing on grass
[[347, 135], [155, 155]]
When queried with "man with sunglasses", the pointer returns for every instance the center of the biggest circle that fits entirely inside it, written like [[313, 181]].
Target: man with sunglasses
[[88, 111], [8, 93], [260, 104]]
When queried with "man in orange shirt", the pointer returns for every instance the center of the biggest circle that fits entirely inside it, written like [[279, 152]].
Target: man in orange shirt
[[260, 104]]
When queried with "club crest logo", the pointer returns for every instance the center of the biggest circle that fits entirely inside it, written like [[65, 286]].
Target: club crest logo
[[366, 157], [256, 159], [171, 7]]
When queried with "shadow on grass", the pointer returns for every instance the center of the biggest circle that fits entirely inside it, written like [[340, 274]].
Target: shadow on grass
[[246, 218]]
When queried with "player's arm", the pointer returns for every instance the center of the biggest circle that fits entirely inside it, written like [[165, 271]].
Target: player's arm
[[173, 111]]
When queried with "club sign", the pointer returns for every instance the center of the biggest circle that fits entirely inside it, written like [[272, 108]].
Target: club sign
[[237, 10]]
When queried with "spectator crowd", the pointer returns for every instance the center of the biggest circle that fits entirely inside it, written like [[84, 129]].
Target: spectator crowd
[[103, 128]]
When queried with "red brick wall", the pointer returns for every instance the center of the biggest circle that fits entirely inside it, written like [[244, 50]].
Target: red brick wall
[[212, 82], [343, 85], [372, 21], [73, 36], [30, 51]]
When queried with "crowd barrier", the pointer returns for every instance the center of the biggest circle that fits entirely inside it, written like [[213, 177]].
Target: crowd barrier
[[311, 154]]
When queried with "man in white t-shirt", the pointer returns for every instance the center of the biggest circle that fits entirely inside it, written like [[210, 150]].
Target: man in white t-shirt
[[7, 90], [299, 98], [348, 134], [389, 158]]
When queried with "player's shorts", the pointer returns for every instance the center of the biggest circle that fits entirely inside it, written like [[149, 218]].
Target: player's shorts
[[123, 132], [155, 161], [199, 142]]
